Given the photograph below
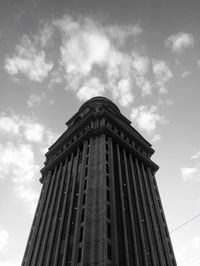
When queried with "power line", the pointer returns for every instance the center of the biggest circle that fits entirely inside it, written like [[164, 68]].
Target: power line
[[187, 222]]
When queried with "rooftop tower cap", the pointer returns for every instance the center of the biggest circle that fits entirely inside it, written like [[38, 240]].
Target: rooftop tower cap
[[98, 101]]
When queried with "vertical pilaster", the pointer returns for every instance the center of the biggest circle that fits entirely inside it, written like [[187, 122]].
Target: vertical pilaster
[[152, 255], [43, 221], [64, 212], [136, 252], [123, 208], [51, 218], [142, 239], [71, 209], [113, 196], [57, 219]]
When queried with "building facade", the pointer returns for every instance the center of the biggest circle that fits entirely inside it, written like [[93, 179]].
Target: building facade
[[99, 203]]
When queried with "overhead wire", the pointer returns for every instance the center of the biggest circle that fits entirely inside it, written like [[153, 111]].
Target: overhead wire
[[185, 223]]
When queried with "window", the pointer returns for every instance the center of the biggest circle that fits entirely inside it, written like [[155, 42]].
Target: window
[[109, 251], [108, 195], [85, 184], [79, 255], [108, 230], [107, 157], [107, 181], [81, 234], [108, 211], [107, 168], [82, 215], [86, 171], [84, 198], [163, 218], [106, 146]]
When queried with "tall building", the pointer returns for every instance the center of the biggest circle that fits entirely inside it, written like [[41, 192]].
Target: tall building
[[99, 203]]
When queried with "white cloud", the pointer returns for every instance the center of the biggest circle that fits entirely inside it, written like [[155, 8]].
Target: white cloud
[[90, 89], [90, 53], [141, 64], [179, 42], [8, 263], [145, 86], [124, 93], [29, 61], [121, 34], [189, 173], [83, 47], [145, 118], [9, 124], [198, 63], [196, 242], [91, 50], [33, 100], [156, 138], [185, 74], [3, 239], [24, 127], [180, 251], [162, 74], [196, 156], [17, 162], [30, 196], [45, 35], [34, 132]]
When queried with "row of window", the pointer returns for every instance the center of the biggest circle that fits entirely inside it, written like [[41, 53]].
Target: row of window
[[128, 140], [66, 145], [108, 215], [83, 204]]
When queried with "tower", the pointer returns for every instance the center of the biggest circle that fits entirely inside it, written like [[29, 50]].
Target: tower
[[99, 203]]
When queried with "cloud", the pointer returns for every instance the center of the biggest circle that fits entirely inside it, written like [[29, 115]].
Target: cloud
[[93, 58], [3, 239], [196, 242], [33, 100], [180, 251], [189, 173], [91, 88], [8, 263], [179, 42], [198, 63], [20, 136], [196, 156], [123, 92], [24, 127], [145, 118], [162, 74], [185, 74], [91, 52], [17, 161], [26, 193], [121, 34], [83, 46], [33, 132], [28, 60], [44, 35], [156, 138]]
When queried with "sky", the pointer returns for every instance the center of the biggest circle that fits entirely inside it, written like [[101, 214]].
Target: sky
[[143, 55]]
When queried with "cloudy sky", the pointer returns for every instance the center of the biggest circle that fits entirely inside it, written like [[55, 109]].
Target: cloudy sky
[[144, 55]]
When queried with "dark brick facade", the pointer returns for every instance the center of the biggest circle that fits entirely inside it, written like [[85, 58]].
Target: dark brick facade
[[99, 203]]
